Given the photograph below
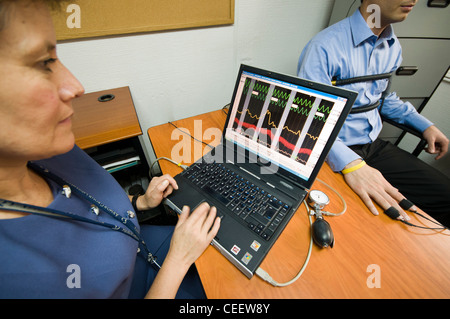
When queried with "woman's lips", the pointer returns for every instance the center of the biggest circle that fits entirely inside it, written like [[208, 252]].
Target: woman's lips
[[67, 120]]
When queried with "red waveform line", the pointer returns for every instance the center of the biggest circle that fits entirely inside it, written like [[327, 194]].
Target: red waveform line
[[282, 140]]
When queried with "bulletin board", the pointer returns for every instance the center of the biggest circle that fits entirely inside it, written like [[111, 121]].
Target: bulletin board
[[93, 18]]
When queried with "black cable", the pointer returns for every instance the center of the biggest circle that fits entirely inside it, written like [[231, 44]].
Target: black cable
[[443, 227], [423, 227], [348, 11], [189, 135], [223, 109], [393, 213], [226, 107]]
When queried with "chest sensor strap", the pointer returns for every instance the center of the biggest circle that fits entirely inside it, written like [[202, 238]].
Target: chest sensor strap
[[365, 78]]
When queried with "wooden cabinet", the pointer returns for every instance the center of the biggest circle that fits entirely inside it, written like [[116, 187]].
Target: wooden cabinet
[[106, 126]]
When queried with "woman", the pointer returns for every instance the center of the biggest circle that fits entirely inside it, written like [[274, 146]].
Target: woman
[[91, 245]]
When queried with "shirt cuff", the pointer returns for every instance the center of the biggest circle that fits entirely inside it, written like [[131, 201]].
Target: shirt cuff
[[340, 155], [418, 122]]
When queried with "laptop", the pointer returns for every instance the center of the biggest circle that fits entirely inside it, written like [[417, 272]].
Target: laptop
[[278, 132]]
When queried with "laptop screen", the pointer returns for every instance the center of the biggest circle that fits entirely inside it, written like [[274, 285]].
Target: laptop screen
[[285, 120]]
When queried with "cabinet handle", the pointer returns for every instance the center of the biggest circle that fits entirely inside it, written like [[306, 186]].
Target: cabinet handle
[[406, 70], [438, 3]]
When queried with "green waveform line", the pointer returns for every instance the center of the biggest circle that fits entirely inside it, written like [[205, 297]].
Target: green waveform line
[[257, 87], [303, 102], [305, 112], [283, 97], [321, 109], [281, 94]]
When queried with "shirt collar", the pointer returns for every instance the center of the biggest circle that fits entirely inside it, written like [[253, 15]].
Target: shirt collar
[[361, 31]]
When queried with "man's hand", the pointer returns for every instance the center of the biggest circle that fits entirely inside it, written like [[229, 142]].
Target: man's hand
[[437, 141], [370, 185]]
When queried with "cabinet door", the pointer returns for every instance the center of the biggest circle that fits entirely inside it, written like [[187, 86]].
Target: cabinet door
[[432, 57], [425, 22]]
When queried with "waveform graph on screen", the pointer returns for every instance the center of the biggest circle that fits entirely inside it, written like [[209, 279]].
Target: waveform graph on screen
[[250, 110], [314, 130], [260, 110], [282, 119], [272, 117], [293, 125], [250, 106]]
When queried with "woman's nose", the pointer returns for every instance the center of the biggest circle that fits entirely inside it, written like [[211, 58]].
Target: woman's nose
[[69, 87]]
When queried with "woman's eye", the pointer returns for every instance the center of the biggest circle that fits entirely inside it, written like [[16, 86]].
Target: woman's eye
[[45, 64]]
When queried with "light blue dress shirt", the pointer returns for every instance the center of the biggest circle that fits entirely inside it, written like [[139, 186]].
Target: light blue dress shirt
[[348, 49]]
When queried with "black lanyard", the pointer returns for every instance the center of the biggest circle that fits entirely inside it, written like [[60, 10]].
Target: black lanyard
[[130, 229]]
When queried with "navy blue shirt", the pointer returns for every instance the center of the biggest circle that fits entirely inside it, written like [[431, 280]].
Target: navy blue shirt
[[43, 257]]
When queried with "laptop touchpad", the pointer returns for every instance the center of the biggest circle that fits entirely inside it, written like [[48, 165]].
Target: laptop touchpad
[[186, 195]]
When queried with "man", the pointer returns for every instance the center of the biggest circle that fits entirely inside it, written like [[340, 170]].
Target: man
[[365, 44]]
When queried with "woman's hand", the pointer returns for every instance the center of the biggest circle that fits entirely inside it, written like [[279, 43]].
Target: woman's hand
[[193, 233], [159, 188]]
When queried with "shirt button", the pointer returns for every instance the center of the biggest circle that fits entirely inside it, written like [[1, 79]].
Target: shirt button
[[131, 214]]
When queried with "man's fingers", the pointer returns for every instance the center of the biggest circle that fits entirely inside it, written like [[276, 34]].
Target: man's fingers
[[369, 204], [406, 204], [386, 202], [395, 198]]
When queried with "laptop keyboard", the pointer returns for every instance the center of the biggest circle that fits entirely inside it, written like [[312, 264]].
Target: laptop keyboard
[[255, 207]]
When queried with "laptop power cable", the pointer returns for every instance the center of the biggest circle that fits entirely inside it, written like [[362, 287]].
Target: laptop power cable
[[183, 167], [266, 277]]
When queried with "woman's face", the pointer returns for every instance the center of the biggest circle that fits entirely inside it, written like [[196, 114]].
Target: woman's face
[[36, 90]]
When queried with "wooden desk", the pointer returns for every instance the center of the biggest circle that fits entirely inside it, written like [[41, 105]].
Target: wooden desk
[[409, 262], [97, 123]]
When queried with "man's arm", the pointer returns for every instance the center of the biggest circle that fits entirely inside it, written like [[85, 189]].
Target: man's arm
[[367, 182], [405, 113]]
